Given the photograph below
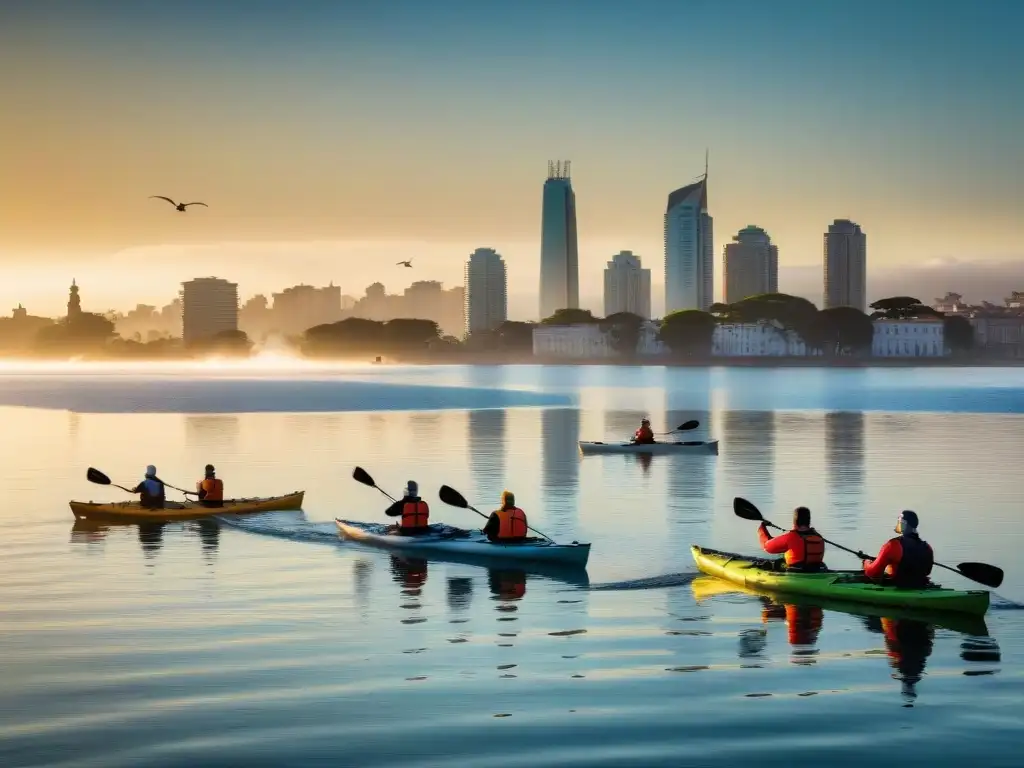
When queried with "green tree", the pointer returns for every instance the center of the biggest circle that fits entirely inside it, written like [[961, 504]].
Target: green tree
[[688, 332], [570, 317], [87, 332], [902, 308], [410, 334], [783, 311], [353, 335], [623, 329], [234, 343], [958, 333], [844, 330]]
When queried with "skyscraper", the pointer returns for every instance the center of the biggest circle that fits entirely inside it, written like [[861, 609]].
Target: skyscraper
[[486, 291], [750, 265], [846, 266], [209, 306], [559, 254], [689, 249], [627, 286]]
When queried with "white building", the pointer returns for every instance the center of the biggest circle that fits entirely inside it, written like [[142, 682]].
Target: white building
[[589, 341], [764, 339], [209, 306], [486, 291], [627, 286], [689, 249], [846, 263], [750, 265], [909, 338]]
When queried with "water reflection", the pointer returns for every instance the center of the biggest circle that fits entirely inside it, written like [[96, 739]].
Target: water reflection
[[89, 532], [908, 644], [844, 463], [151, 538], [487, 449], [803, 622], [362, 576], [748, 453], [209, 538], [460, 593], [560, 434], [426, 430], [216, 434]]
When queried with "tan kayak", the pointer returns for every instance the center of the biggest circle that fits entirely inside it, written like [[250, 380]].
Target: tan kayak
[[187, 510]]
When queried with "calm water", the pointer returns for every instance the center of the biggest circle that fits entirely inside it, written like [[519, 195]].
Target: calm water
[[269, 642]]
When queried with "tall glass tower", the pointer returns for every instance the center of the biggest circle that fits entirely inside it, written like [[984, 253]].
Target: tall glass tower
[[559, 253]]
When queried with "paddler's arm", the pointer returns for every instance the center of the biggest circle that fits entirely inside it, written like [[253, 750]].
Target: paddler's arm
[[492, 527], [775, 546], [889, 554], [395, 510]]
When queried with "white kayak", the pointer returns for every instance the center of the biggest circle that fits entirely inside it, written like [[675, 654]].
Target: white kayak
[[453, 541], [690, 446]]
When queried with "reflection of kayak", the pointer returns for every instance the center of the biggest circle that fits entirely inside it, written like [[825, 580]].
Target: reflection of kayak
[[449, 541], [690, 446], [187, 510], [707, 587], [835, 585]]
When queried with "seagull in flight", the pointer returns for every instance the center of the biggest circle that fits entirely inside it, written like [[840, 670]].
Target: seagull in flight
[[179, 206], [406, 263]]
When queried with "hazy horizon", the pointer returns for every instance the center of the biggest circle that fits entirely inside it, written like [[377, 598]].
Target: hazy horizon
[[332, 140]]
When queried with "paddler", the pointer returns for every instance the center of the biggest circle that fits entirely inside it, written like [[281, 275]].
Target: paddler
[[211, 488], [151, 490], [508, 523], [804, 547], [644, 435], [906, 559], [413, 512]]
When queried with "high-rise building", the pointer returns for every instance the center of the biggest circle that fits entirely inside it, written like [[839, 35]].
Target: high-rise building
[[689, 249], [846, 266], [486, 291], [559, 252], [627, 286], [301, 307], [209, 306], [750, 265]]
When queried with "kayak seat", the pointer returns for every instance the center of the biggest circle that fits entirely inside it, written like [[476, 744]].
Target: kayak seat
[[778, 565]]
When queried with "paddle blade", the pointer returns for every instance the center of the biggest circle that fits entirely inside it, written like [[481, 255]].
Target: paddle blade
[[452, 497], [983, 573], [360, 475], [95, 476], [686, 426], [746, 509]]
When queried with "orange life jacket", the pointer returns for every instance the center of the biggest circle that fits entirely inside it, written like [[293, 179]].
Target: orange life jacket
[[814, 549], [415, 514], [214, 488], [512, 523]]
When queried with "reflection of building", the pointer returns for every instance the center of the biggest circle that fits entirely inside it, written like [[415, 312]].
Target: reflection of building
[[627, 286], [560, 434], [209, 306], [214, 434], [844, 462], [911, 337], [750, 265], [486, 291], [689, 249], [559, 255], [748, 439], [846, 266], [486, 446]]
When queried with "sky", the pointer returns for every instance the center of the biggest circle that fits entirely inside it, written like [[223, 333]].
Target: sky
[[332, 139]]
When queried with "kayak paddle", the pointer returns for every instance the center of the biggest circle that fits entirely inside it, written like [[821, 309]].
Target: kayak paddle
[[360, 475], [453, 498], [93, 475], [686, 426], [983, 573]]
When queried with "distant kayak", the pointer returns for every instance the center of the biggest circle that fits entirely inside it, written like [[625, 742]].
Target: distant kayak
[[850, 586], [690, 446], [453, 541], [185, 510]]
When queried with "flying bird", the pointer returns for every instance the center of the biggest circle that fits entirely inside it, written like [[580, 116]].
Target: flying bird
[[406, 263], [178, 206]]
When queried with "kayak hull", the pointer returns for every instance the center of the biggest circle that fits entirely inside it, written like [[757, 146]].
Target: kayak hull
[[188, 510], [473, 545], [846, 586], [654, 449]]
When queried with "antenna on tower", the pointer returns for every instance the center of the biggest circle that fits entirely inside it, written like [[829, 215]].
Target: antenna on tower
[[707, 151], [565, 168]]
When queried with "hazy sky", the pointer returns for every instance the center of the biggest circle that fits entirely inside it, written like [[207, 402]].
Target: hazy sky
[[332, 138]]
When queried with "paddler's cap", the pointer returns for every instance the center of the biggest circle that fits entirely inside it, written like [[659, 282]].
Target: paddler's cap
[[412, 489], [150, 471], [508, 499], [908, 521], [209, 469]]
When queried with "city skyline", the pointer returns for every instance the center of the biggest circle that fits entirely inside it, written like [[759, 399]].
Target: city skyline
[[304, 167]]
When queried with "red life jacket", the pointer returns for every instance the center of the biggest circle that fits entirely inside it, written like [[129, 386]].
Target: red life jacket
[[415, 514], [814, 550], [512, 523]]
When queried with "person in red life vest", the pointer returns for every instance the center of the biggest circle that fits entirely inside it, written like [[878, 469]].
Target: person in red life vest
[[804, 548], [507, 524], [644, 435], [210, 488], [907, 559], [412, 511]]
